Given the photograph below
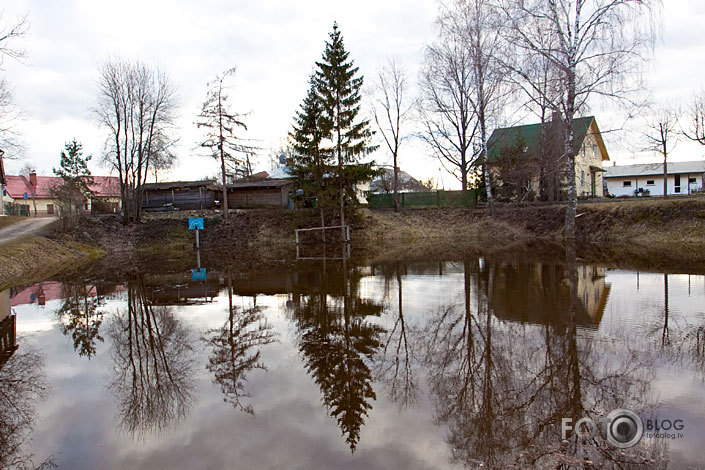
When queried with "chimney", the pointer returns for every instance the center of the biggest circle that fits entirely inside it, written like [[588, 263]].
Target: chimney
[[33, 179], [614, 163]]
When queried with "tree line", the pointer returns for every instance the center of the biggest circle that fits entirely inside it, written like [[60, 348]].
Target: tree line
[[491, 59]]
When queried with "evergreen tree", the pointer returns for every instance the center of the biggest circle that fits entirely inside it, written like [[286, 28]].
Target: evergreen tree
[[338, 87], [311, 163], [76, 180]]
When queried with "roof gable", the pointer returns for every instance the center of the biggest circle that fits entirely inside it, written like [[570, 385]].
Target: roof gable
[[506, 137], [16, 186]]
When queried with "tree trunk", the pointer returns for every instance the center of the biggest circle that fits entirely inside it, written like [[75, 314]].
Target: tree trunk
[[396, 184]]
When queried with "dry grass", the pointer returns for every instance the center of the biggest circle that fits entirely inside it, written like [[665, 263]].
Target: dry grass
[[10, 219], [33, 258]]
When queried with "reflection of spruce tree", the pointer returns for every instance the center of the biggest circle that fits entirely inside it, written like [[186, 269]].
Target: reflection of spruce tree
[[235, 350], [153, 363], [336, 342], [80, 318]]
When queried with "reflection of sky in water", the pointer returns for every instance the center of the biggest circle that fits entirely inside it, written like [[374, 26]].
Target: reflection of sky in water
[[291, 428]]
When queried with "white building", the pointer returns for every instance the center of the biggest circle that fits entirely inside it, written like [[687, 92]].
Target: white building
[[629, 180]]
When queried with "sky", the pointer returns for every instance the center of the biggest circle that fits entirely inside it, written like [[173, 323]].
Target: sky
[[274, 46]]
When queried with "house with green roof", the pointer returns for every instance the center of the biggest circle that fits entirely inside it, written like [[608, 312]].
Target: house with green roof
[[534, 151]]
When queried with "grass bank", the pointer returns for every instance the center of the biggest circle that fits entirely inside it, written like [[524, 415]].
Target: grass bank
[[661, 234], [33, 258], [10, 219]]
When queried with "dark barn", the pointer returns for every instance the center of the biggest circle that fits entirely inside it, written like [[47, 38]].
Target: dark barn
[[262, 193], [187, 195]]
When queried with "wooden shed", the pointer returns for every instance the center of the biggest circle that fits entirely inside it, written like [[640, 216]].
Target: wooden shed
[[187, 195], [258, 193]]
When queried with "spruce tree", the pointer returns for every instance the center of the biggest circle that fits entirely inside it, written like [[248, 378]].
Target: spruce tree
[[338, 86], [75, 182], [311, 163]]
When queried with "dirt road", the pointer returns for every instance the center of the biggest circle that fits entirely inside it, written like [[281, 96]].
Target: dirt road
[[26, 227]]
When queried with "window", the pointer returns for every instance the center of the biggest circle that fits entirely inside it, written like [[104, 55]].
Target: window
[[692, 180], [594, 152], [650, 183], [627, 184], [582, 178], [50, 208], [597, 294]]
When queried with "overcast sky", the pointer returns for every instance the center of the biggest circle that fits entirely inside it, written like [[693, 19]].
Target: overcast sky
[[274, 46]]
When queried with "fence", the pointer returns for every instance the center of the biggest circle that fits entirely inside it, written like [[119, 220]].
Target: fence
[[425, 199]]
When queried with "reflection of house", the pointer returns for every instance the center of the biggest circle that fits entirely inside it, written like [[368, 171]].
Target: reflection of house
[[629, 180], [40, 293], [589, 149], [8, 328], [540, 293], [33, 195], [186, 195]]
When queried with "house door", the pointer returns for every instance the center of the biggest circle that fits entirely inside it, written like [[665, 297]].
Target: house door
[[593, 183], [677, 185]]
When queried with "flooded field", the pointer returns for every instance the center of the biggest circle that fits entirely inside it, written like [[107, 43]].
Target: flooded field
[[428, 364]]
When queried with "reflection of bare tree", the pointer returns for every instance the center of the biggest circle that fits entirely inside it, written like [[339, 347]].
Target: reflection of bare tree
[[80, 318], [153, 362], [395, 363], [337, 342], [501, 388], [22, 385], [235, 350]]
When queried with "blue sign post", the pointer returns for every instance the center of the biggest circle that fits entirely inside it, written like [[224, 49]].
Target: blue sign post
[[196, 223]]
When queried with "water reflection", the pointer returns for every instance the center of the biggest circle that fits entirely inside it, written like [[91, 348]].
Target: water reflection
[[235, 349], [79, 317], [153, 363], [22, 386], [484, 356], [336, 341]]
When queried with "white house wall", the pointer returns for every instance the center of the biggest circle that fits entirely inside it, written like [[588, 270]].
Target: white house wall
[[615, 185]]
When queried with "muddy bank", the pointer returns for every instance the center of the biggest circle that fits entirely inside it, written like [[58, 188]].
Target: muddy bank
[[32, 258], [663, 235]]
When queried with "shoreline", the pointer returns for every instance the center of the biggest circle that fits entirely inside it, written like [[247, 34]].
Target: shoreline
[[666, 235]]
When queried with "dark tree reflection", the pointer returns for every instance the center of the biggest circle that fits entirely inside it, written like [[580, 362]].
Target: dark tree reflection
[[235, 350], [22, 386], [500, 388], [396, 363], [153, 364], [337, 343], [80, 318]]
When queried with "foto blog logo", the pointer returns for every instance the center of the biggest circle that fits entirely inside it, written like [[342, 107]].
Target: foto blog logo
[[622, 428]]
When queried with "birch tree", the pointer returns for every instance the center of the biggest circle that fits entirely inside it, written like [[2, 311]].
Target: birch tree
[[595, 47], [10, 33], [477, 24]]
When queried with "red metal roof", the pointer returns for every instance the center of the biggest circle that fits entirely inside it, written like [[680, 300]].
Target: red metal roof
[[16, 186]]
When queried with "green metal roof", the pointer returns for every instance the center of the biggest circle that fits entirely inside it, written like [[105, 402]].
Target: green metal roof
[[506, 137]]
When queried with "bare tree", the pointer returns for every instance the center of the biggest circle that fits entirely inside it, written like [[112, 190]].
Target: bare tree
[[391, 110], [697, 119], [446, 109], [477, 24], [592, 44], [221, 141], [136, 105], [661, 136], [9, 112]]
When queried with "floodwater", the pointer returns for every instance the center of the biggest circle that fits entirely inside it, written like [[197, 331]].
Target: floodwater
[[425, 364]]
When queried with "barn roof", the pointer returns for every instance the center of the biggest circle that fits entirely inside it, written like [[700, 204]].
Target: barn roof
[[269, 183], [177, 185]]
